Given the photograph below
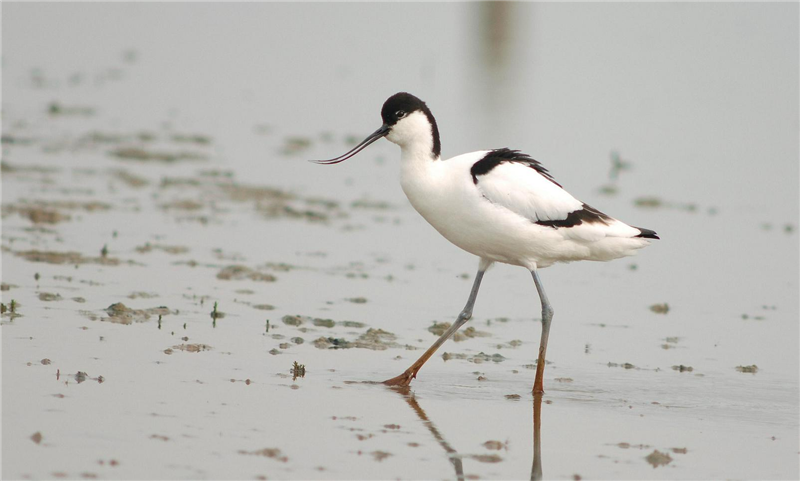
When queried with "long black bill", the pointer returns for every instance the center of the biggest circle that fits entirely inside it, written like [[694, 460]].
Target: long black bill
[[381, 132]]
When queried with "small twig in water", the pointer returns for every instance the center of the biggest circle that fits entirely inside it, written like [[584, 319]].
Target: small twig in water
[[298, 370]]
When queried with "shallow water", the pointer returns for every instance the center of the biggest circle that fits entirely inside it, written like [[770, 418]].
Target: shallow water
[[167, 172]]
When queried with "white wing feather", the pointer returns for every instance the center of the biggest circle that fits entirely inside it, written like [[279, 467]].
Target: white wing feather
[[526, 192]]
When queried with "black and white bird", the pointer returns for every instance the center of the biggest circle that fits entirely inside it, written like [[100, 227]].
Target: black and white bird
[[500, 205]]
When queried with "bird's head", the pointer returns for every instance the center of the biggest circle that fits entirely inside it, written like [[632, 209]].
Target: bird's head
[[407, 122]]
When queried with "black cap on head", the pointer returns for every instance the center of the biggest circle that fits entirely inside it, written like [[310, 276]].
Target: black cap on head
[[398, 106], [402, 104]]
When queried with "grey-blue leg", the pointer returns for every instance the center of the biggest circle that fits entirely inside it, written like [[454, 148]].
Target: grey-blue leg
[[465, 315], [547, 317]]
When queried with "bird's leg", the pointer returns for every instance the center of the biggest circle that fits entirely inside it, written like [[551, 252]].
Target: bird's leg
[[410, 373], [547, 317]]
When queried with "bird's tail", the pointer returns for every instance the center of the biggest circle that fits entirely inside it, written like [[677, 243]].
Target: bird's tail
[[647, 233]]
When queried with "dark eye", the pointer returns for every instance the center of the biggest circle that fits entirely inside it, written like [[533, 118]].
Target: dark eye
[[400, 114]]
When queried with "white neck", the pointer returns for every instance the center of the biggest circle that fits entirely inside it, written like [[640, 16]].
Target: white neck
[[414, 135]]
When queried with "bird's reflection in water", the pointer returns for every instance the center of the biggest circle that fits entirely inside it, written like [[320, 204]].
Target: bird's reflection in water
[[536, 469], [453, 455]]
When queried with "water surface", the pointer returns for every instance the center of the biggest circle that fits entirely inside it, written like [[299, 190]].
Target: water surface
[[154, 155]]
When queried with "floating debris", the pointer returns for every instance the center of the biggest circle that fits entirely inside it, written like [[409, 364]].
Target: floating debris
[[192, 347], [657, 458], [37, 437], [355, 324], [624, 445], [477, 358], [618, 165], [295, 145], [198, 139], [143, 155], [486, 458], [174, 250], [496, 445], [290, 320], [439, 328], [535, 362], [752, 369], [662, 308], [274, 203], [39, 215], [141, 294], [682, 368], [130, 179], [375, 339], [216, 314], [57, 109], [15, 140], [49, 297], [324, 323], [656, 202], [10, 311], [331, 343], [81, 376], [299, 320], [273, 453], [626, 365], [370, 204], [119, 313], [298, 370], [608, 189], [380, 455], [184, 204], [240, 272], [49, 212], [76, 258]]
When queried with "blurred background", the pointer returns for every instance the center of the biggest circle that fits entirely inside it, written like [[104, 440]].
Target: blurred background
[[678, 117]]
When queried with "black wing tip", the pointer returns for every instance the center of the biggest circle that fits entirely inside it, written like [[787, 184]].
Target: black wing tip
[[647, 234]]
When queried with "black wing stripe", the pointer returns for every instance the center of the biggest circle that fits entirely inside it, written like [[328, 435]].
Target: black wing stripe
[[498, 156], [587, 214]]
